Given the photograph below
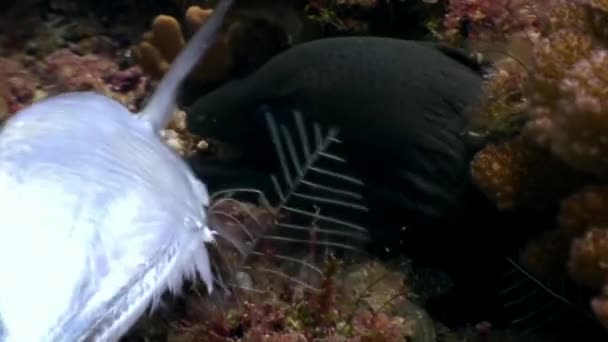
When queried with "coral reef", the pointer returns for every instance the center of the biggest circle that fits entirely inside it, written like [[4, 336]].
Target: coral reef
[[337, 312], [544, 111], [558, 154], [64, 70], [62, 55], [247, 41]]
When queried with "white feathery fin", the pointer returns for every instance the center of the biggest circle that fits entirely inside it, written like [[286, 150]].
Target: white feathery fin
[[162, 103]]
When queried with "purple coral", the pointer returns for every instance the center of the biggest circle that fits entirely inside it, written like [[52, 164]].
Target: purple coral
[[125, 80]]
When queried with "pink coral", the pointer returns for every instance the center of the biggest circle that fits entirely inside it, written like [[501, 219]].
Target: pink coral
[[578, 128], [67, 71], [71, 72]]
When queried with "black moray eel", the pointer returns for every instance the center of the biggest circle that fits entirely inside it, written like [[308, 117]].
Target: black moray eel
[[401, 107]]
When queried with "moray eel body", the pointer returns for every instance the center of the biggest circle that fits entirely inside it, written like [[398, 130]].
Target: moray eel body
[[400, 106]]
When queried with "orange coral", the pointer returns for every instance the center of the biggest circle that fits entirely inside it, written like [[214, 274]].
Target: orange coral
[[197, 16], [218, 59], [588, 262], [586, 208], [162, 44], [516, 174]]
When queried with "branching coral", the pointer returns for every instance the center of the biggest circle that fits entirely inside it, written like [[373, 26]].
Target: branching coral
[[161, 45], [566, 91], [564, 101], [247, 40]]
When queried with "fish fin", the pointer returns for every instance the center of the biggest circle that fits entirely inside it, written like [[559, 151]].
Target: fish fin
[[311, 215]]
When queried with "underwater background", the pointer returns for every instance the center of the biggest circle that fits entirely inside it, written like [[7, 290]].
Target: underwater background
[[495, 228]]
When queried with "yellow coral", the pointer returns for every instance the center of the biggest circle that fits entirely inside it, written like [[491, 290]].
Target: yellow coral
[[588, 262], [584, 209], [518, 174]]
